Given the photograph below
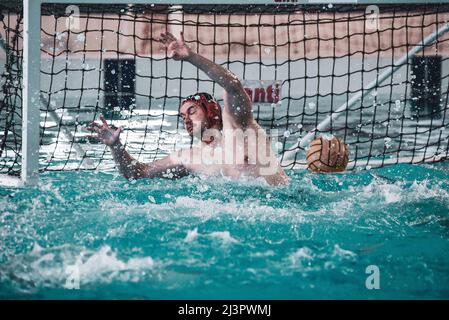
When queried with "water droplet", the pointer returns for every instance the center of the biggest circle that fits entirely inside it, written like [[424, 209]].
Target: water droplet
[[311, 106], [81, 37], [279, 145]]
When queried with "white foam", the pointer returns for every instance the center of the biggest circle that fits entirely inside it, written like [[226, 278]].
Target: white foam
[[397, 192], [105, 261], [340, 252], [301, 256], [52, 267], [191, 235], [37, 249], [268, 253], [423, 190], [392, 193], [224, 236]]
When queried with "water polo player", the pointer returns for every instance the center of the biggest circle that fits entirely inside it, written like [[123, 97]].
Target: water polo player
[[230, 141]]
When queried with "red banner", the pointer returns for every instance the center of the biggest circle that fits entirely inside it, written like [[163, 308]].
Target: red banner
[[263, 91]]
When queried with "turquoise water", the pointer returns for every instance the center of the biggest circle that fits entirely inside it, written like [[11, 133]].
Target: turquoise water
[[218, 238]]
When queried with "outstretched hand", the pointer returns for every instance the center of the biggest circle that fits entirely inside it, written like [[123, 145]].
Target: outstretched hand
[[177, 48], [108, 135]]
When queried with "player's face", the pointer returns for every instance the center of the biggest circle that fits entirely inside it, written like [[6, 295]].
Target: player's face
[[194, 117]]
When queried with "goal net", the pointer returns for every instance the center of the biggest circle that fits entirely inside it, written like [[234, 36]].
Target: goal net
[[376, 77]]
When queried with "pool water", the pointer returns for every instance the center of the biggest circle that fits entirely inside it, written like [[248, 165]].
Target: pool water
[[220, 238]]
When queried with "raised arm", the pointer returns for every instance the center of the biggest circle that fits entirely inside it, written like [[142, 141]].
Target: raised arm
[[130, 168], [236, 99]]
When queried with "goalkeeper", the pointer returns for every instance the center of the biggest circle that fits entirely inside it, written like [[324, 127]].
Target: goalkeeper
[[230, 142]]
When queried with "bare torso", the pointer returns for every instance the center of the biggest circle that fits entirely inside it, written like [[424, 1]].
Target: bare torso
[[236, 153]]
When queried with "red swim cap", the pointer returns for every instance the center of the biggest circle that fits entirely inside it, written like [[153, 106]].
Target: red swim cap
[[210, 107]]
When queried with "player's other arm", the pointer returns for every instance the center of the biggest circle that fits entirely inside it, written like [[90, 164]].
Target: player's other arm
[[236, 99], [130, 168]]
